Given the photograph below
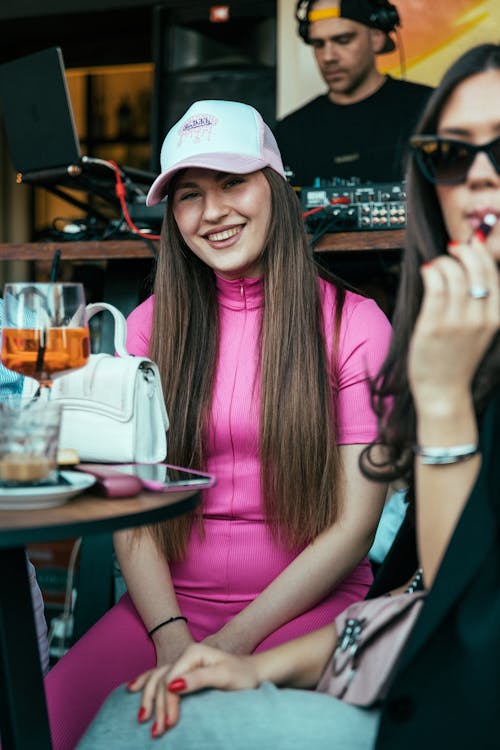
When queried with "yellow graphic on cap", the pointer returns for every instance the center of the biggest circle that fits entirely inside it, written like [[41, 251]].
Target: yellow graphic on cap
[[322, 13]]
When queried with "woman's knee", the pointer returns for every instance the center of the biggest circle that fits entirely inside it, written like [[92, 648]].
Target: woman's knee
[[242, 720]]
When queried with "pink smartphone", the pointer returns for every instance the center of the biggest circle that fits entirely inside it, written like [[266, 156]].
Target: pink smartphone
[[165, 477], [112, 483]]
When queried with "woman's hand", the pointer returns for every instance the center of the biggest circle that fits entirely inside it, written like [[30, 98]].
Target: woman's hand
[[452, 333], [453, 329], [199, 667]]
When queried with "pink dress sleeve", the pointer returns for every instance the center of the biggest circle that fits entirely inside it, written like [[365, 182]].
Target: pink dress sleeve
[[139, 326], [365, 334]]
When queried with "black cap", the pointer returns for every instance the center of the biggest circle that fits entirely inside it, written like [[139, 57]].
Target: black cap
[[376, 15]]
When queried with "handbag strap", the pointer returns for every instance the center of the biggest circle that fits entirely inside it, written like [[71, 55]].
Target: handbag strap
[[120, 325]]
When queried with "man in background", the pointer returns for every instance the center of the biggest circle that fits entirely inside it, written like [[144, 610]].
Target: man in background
[[360, 128]]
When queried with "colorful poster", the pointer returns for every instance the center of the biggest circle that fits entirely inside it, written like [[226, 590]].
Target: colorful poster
[[434, 33]]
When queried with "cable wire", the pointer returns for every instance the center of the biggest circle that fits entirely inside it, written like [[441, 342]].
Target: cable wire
[[121, 192], [401, 52]]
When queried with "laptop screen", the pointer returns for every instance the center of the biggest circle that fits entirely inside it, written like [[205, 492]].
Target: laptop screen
[[37, 112]]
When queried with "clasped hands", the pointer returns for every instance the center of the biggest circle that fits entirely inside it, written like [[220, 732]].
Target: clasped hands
[[200, 666]]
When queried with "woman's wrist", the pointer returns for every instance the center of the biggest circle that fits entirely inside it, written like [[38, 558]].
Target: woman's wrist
[[264, 668], [229, 643], [168, 621], [449, 420], [458, 430], [170, 643], [235, 637], [297, 663], [443, 404]]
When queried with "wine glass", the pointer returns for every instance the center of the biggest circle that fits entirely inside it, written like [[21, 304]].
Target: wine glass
[[45, 331]]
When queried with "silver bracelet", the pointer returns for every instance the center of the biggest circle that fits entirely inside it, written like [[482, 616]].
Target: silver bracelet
[[451, 455]]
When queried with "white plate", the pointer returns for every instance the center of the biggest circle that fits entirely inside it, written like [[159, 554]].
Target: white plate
[[31, 498]]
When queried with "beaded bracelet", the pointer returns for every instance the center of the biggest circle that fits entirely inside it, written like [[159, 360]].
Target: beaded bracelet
[[166, 622], [451, 455]]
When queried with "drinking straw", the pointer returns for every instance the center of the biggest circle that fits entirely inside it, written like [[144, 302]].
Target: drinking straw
[[43, 332], [55, 266], [41, 352]]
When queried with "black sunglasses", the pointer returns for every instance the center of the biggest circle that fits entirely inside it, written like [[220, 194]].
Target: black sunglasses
[[445, 161]]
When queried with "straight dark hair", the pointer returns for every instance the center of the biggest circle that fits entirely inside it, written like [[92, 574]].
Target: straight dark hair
[[426, 238], [300, 474]]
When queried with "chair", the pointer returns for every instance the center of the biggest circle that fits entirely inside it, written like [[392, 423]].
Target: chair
[[95, 592]]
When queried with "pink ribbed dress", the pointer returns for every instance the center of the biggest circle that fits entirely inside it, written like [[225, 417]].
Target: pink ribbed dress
[[237, 558]]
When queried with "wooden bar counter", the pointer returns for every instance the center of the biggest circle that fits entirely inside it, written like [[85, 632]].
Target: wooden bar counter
[[88, 250], [380, 240], [354, 242]]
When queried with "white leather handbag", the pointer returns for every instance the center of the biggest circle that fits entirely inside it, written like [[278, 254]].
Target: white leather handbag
[[113, 408]]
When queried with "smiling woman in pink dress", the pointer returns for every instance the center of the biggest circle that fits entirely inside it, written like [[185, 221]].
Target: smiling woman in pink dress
[[443, 437], [264, 360]]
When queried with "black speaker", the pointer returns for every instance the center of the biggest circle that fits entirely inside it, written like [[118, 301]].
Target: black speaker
[[384, 16]]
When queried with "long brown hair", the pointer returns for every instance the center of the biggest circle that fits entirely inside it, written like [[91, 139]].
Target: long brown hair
[[426, 238], [300, 472]]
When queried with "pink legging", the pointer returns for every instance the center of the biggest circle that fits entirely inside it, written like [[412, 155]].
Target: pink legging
[[115, 650]]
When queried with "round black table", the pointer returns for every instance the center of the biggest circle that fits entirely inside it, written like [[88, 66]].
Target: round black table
[[23, 712]]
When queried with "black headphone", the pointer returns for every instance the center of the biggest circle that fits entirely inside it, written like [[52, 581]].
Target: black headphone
[[385, 16]]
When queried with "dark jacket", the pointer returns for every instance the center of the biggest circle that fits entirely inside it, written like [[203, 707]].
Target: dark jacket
[[446, 693]]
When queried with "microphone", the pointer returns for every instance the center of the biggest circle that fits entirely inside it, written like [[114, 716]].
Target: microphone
[[49, 175]]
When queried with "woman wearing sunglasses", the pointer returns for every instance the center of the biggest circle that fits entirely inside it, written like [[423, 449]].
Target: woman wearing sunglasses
[[443, 437]]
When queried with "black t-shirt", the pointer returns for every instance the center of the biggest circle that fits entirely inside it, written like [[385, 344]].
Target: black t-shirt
[[367, 140]]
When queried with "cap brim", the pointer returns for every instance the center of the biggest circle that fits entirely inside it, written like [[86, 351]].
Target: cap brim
[[231, 163]]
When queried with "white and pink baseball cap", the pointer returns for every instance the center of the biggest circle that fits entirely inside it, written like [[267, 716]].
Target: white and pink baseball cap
[[215, 134]]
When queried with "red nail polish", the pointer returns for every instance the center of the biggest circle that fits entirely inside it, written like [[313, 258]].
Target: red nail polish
[[131, 685], [141, 716], [177, 686], [453, 243], [480, 235], [154, 730], [167, 724], [427, 263]]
